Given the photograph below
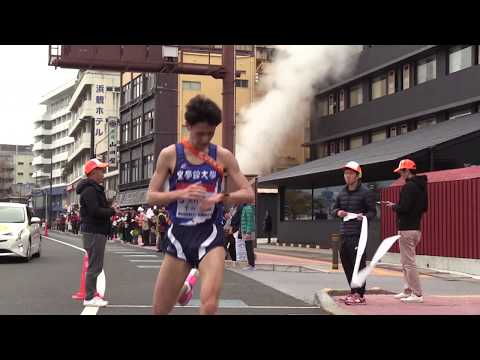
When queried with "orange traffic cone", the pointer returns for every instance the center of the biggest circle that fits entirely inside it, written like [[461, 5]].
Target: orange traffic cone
[[80, 295]]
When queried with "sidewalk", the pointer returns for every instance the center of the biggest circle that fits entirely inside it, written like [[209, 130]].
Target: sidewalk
[[445, 293]]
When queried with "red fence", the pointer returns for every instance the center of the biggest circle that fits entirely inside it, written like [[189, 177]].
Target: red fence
[[451, 227]]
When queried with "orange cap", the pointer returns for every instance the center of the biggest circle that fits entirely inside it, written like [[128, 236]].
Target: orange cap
[[406, 164], [353, 165], [92, 164]]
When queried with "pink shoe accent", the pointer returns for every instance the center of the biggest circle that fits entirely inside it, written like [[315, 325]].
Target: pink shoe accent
[[187, 290]]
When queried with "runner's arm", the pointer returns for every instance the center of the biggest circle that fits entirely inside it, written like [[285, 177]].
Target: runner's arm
[[165, 165], [245, 194]]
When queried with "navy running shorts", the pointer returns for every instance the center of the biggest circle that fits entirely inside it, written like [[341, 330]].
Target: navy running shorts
[[192, 243]]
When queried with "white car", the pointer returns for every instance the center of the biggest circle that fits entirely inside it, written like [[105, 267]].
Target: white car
[[19, 231]]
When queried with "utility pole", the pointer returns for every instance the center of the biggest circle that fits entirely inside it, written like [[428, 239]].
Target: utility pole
[[50, 202]]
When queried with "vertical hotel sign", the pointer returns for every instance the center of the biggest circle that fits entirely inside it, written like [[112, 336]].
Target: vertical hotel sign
[[112, 142], [99, 101]]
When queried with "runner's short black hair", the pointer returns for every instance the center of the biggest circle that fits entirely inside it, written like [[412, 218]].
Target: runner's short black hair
[[202, 109]]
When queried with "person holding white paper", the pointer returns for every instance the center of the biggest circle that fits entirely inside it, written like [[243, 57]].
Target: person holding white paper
[[354, 198], [410, 209]]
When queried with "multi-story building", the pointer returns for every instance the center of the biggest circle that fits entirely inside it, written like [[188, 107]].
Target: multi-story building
[[94, 105], [416, 101], [15, 171], [153, 107], [50, 150]]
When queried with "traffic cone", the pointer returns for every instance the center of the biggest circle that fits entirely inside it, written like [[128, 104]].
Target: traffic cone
[[80, 295]]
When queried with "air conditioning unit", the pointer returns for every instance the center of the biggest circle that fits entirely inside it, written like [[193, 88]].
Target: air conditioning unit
[[170, 52]]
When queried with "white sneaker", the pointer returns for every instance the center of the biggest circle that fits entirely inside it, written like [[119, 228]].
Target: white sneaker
[[402, 295], [95, 302], [413, 299]]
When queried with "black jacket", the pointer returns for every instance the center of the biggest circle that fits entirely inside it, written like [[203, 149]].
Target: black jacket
[[95, 212], [236, 221], [413, 203], [360, 200]]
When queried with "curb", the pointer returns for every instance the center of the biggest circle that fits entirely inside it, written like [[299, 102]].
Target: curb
[[323, 299], [229, 264]]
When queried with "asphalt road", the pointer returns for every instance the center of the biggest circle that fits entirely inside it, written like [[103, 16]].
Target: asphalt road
[[45, 285]]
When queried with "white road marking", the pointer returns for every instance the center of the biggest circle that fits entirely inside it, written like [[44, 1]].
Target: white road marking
[[90, 310], [140, 256], [146, 261], [64, 243], [127, 252], [101, 281], [148, 266], [223, 307]]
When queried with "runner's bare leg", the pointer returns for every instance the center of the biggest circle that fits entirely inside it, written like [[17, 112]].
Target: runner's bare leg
[[211, 269], [170, 279]]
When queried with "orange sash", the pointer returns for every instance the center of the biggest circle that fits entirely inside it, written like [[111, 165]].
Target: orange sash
[[202, 156]]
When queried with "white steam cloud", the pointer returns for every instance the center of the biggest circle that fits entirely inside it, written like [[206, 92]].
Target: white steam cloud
[[289, 85]]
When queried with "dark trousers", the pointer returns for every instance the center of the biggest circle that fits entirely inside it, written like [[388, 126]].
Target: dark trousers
[[268, 234], [250, 254], [230, 246], [146, 237], [348, 254], [94, 244], [161, 241]]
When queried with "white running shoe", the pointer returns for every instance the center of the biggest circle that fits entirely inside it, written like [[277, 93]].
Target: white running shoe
[[95, 302], [402, 295], [413, 299]]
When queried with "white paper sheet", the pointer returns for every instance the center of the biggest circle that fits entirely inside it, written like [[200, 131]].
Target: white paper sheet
[[362, 244], [360, 277]]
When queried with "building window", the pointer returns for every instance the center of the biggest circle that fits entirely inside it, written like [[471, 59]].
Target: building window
[[379, 135], [426, 122], [298, 204], [136, 170], [137, 128], [379, 87], [125, 136], [342, 145], [331, 104], [391, 82], [192, 85], [403, 129], [393, 131], [126, 93], [322, 107], [124, 173], [137, 87], [20, 163], [459, 113], [459, 58], [148, 166], [426, 69], [323, 202], [356, 95], [406, 77], [332, 148], [341, 101], [20, 174], [241, 83], [148, 123], [356, 142]]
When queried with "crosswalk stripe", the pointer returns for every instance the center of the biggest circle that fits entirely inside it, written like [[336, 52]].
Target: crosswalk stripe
[[146, 261], [148, 266], [140, 256]]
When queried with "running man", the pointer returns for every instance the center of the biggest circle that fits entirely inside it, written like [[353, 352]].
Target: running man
[[188, 179]]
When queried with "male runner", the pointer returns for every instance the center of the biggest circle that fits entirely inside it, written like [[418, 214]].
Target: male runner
[[193, 196]]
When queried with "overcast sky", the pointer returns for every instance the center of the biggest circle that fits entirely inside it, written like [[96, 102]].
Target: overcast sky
[[26, 77]]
